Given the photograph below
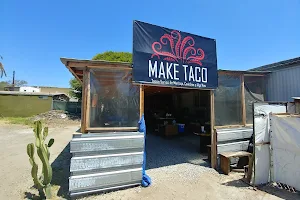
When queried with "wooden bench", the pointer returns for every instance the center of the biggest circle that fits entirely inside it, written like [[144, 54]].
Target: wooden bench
[[225, 159], [231, 142]]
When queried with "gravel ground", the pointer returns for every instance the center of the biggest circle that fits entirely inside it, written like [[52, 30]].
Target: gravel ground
[[165, 152], [188, 181], [177, 170]]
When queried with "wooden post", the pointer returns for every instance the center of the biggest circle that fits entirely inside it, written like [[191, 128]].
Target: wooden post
[[88, 98], [84, 100], [82, 128], [212, 130], [243, 103], [141, 100]]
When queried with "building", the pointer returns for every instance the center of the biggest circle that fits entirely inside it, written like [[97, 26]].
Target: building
[[54, 90], [282, 81], [175, 91], [43, 89], [26, 104], [29, 89]]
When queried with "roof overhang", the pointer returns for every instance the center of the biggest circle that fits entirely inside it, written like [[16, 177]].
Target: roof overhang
[[77, 66]]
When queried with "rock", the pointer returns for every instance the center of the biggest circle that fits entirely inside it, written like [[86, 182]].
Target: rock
[[63, 116]]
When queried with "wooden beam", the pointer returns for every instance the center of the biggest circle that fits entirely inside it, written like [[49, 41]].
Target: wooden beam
[[142, 96], [82, 128], [261, 75], [261, 143], [213, 132], [243, 103], [231, 126], [155, 85], [78, 72], [74, 74], [99, 65], [111, 67], [120, 72], [112, 129], [232, 73]]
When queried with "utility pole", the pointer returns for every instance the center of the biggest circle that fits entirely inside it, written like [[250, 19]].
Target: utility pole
[[13, 81]]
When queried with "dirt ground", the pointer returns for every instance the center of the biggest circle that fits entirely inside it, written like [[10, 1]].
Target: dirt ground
[[178, 177], [15, 167]]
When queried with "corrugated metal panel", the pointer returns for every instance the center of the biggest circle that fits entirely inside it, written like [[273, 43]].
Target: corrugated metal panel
[[111, 143], [283, 84], [100, 181], [105, 161], [233, 139], [229, 135], [233, 147]]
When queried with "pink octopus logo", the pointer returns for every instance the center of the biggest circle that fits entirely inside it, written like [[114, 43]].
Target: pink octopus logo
[[180, 50]]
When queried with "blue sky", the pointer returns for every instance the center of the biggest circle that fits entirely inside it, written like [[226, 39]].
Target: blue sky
[[35, 34]]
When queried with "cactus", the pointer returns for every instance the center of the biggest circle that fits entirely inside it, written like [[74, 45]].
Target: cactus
[[43, 181]]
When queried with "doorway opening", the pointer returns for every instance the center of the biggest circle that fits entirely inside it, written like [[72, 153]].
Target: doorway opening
[[178, 126]]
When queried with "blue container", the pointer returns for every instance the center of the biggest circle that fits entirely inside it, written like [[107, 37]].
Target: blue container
[[181, 128]]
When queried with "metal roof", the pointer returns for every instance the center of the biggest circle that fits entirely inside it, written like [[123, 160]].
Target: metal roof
[[244, 72], [278, 65], [30, 93]]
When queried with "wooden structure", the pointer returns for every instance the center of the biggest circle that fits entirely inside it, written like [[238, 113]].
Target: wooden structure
[[241, 75], [105, 73], [225, 159], [108, 73]]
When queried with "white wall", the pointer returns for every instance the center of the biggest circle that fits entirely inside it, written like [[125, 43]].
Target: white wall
[[29, 89], [285, 150]]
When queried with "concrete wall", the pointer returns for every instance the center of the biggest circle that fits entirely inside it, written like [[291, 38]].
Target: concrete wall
[[283, 84], [24, 106]]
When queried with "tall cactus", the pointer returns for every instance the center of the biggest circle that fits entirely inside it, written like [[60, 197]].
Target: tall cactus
[[42, 182]]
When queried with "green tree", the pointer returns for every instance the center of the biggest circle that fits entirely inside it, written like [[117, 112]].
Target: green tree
[[76, 88], [114, 56], [108, 56]]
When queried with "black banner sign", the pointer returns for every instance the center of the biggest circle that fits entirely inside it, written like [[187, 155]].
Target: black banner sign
[[163, 56]]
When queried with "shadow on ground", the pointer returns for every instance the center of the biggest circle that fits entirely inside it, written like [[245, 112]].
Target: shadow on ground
[[236, 183], [29, 195], [281, 193], [165, 152], [61, 172], [60, 177]]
